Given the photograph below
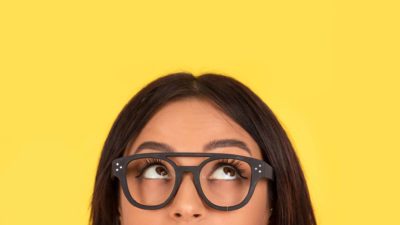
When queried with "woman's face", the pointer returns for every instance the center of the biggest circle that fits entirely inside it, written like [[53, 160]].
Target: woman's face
[[187, 125]]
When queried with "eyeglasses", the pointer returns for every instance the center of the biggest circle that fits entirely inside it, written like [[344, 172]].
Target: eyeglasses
[[224, 181]]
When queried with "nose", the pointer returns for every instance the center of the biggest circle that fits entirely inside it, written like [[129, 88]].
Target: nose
[[187, 204]]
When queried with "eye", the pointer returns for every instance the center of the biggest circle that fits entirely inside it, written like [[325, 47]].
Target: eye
[[225, 172], [229, 169], [155, 172], [153, 169]]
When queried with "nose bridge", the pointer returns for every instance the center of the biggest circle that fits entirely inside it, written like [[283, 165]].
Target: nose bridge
[[185, 206]]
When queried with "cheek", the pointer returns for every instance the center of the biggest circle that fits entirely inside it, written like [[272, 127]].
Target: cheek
[[131, 215], [255, 211]]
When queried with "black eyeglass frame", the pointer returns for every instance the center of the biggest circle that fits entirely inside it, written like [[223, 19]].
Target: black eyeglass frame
[[260, 169]]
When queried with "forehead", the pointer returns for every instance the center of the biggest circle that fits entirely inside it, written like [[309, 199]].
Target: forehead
[[187, 125]]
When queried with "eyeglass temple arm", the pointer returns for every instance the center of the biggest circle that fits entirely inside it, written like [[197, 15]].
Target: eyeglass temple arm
[[268, 172]]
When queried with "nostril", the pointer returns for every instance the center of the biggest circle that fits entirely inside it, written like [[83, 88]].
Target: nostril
[[180, 215]]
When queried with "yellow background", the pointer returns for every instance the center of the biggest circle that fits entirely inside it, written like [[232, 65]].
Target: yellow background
[[328, 69]]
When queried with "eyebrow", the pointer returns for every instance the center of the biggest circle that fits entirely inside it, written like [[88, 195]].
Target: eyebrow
[[214, 144]]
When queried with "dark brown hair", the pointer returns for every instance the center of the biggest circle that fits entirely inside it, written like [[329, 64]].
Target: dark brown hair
[[289, 196]]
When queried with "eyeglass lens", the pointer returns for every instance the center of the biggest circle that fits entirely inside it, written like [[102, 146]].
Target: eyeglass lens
[[225, 182]]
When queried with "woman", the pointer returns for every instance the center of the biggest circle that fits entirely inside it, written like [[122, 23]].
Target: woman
[[199, 150]]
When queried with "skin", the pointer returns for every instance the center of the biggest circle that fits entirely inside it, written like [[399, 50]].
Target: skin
[[187, 125]]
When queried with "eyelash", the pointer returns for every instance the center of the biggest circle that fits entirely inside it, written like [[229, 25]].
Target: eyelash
[[230, 162]]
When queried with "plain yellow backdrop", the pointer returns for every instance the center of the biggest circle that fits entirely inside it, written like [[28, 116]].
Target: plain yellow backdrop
[[328, 69]]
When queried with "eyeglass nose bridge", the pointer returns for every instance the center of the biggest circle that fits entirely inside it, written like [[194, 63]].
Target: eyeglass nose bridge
[[180, 171], [183, 169]]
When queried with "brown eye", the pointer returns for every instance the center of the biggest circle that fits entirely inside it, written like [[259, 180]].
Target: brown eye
[[229, 170], [161, 171], [155, 172], [224, 172]]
